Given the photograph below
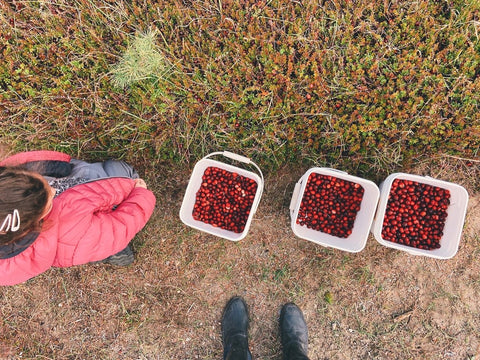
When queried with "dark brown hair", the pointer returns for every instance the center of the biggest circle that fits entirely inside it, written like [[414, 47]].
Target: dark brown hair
[[23, 191]]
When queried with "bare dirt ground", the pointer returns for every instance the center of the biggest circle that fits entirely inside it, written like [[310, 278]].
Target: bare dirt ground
[[376, 304]]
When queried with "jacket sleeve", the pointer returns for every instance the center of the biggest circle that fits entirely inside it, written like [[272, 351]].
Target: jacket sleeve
[[34, 260], [99, 219]]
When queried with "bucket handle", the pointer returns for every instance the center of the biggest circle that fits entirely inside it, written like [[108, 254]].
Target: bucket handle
[[242, 159], [295, 195], [336, 170], [239, 158]]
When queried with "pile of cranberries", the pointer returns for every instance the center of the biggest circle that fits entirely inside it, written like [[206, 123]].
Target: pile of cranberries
[[224, 199], [415, 214], [330, 205]]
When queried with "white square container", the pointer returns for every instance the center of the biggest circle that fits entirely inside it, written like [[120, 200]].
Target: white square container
[[196, 181], [356, 241], [453, 225]]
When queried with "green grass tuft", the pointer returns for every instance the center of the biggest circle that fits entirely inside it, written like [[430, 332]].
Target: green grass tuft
[[142, 60]]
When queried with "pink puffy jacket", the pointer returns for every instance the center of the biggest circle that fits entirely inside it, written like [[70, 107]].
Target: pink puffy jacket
[[82, 226]]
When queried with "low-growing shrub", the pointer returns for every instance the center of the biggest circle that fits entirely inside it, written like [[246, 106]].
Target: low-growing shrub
[[349, 84]]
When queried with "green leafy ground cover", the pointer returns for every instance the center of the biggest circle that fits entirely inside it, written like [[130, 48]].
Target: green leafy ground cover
[[364, 86]]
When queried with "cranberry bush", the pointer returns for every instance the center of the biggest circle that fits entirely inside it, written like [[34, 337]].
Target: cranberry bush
[[354, 85]]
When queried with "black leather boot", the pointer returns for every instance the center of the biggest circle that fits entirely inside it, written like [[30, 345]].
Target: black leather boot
[[234, 330], [293, 332]]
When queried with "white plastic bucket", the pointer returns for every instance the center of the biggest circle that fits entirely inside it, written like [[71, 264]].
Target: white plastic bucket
[[195, 182], [356, 241], [453, 224]]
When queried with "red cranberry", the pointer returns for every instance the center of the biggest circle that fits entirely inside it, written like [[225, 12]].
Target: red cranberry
[[415, 214], [224, 199], [330, 205]]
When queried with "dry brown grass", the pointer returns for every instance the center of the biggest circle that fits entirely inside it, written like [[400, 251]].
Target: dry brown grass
[[377, 304]]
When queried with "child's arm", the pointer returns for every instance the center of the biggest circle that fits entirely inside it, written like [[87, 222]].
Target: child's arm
[[99, 219], [34, 260]]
